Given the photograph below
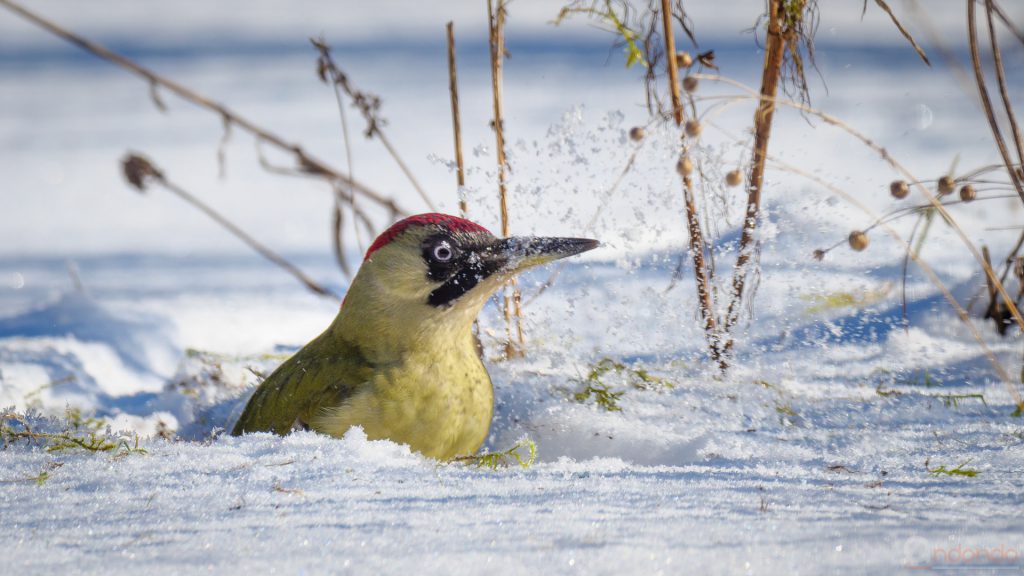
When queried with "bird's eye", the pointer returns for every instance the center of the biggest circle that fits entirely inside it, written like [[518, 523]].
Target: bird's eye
[[443, 252]]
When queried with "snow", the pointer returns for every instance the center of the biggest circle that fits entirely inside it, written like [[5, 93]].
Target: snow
[[310, 504], [822, 450]]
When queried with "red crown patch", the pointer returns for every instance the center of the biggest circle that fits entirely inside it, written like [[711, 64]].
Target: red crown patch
[[452, 223]]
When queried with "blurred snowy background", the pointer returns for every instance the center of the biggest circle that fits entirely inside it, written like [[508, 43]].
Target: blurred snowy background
[[172, 312]]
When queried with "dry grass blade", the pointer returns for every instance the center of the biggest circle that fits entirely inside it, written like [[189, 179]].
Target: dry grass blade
[[997, 61], [140, 172], [903, 30]]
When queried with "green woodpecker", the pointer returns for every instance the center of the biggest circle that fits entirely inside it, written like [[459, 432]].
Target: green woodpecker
[[400, 359]]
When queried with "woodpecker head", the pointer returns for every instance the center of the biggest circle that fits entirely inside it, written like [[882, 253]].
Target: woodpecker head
[[440, 269]]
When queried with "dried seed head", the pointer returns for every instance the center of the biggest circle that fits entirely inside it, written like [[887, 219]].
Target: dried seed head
[[637, 133], [693, 128], [946, 185], [968, 193], [1018, 269], [734, 178], [683, 59], [899, 189], [819, 254], [684, 166], [690, 84], [138, 171], [859, 240]]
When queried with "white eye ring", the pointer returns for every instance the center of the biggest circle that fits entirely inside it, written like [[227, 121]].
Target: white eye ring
[[443, 252]]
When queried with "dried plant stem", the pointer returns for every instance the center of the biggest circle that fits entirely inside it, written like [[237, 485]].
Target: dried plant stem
[[697, 246], [337, 230], [140, 172], [929, 272], [884, 154], [979, 76], [1010, 259], [497, 43], [1016, 177], [1009, 24], [338, 217], [405, 169], [496, 14], [904, 31], [997, 61], [776, 46], [306, 163], [453, 89], [368, 105], [460, 167], [939, 41], [994, 311]]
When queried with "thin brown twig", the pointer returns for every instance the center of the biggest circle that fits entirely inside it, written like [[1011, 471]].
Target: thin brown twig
[[938, 41], [904, 31], [338, 217], [1012, 257], [1009, 24], [460, 167], [337, 232], [1015, 175], [140, 172], [997, 61], [453, 89], [697, 245], [497, 44], [986, 101], [994, 311], [369, 106]]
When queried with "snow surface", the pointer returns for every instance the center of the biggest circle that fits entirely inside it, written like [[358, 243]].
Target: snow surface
[[816, 454]]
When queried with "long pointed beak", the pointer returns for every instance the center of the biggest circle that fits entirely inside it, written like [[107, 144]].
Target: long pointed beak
[[502, 258], [521, 253]]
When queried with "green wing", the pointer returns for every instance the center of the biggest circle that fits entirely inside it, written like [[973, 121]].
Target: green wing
[[322, 374]]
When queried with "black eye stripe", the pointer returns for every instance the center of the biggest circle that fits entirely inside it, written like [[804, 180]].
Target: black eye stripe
[[466, 265], [463, 281]]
